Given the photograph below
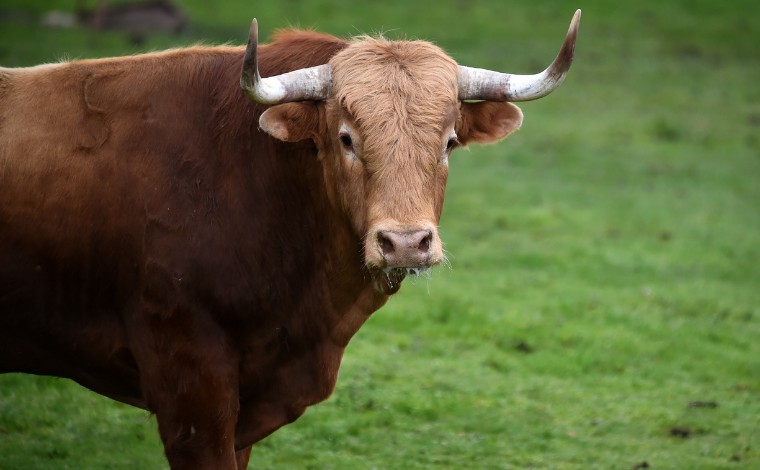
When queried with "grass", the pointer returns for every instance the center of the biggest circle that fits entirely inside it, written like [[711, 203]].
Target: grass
[[603, 305]]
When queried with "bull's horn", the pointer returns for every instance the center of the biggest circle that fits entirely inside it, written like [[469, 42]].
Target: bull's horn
[[479, 84], [309, 84]]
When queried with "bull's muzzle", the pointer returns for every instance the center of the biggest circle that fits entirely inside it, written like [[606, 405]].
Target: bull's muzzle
[[417, 248], [407, 249]]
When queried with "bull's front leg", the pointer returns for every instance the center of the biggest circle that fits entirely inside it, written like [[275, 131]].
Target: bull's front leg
[[189, 379], [243, 455], [197, 427]]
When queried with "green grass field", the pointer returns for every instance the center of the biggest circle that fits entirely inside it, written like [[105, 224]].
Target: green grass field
[[602, 309]]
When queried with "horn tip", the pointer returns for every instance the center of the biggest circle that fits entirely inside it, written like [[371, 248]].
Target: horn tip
[[253, 32], [576, 19], [572, 31], [249, 72]]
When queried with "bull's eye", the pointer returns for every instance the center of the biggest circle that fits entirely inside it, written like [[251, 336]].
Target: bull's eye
[[347, 142], [451, 143], [345, 139]]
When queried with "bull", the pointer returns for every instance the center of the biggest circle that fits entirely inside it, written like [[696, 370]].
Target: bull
[[198, 236]]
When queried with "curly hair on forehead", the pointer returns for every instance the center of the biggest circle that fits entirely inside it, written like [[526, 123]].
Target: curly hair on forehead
[[395, 87]]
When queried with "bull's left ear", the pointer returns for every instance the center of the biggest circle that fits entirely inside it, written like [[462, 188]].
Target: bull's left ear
[[486, 121], [292, 122]]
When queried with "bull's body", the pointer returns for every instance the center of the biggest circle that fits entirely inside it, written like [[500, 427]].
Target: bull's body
[[159, 248]]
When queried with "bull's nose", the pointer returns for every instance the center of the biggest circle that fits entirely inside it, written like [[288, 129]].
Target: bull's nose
[[405, 248]]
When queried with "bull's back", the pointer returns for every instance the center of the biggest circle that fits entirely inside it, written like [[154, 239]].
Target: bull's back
[[61, 181], [92, 151]]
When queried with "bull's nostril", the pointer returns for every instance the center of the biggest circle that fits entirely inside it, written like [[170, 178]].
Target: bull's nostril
[[385, 244], [424, 245], [405, 248]]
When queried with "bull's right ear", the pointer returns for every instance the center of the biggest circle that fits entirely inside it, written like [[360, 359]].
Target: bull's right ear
[[292, 122]]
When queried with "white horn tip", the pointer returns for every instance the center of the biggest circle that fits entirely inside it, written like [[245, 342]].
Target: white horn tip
[[576, 19]]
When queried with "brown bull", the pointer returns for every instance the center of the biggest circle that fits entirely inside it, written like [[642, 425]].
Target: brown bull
[[160, 249]]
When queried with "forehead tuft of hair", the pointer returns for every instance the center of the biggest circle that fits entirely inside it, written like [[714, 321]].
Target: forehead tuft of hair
[[374, 67], [395, 88]]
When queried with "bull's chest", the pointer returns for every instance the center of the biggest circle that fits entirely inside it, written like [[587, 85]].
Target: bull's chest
[[296, 365], [277, 384], [289, 368]]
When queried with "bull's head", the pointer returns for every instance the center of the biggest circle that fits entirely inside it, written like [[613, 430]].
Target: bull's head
[[385, 116]]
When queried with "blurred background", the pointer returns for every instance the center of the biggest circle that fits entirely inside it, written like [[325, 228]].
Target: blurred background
[[602, 307]]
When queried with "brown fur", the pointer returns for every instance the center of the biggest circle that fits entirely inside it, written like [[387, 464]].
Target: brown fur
[[398, 95], [156, 247]]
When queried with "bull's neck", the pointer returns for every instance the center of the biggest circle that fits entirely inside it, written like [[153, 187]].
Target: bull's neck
[[353, 291]]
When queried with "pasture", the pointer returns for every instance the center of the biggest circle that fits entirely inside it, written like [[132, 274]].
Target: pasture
[[602, 304]]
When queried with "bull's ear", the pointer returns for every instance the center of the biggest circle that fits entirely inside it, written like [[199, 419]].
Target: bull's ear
[[292, 122], [486, 121]]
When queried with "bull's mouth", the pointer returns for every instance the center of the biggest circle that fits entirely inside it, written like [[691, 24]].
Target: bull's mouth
[[388, 280], [405, 271]]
